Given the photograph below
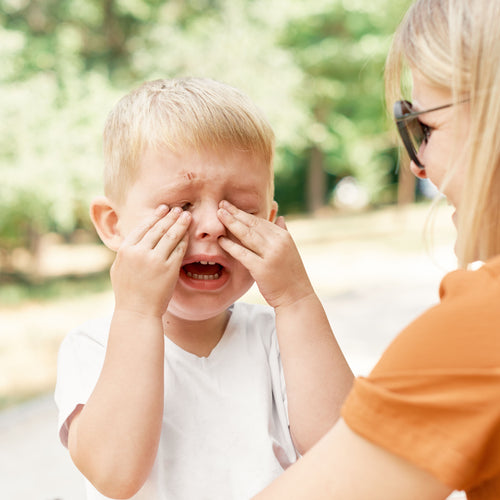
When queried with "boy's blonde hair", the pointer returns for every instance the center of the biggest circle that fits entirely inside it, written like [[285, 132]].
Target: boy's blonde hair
[[180, 115], [455, 45]]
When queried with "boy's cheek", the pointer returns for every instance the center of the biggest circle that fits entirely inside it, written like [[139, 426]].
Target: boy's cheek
[[128, 221], [122, 230]]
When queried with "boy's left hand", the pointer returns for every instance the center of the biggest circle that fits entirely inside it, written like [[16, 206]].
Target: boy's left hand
[[269, 253]]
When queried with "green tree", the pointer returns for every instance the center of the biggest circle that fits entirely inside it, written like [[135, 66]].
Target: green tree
[[315, 68], [52, 113], [233, 41], [341, 48]]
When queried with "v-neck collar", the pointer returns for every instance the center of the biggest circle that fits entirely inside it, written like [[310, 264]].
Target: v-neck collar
[[172, 348]]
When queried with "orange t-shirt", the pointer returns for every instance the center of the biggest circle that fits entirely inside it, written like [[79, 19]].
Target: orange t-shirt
[[434, 397]]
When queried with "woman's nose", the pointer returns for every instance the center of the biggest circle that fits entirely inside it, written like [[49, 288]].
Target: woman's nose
[[206, 223]]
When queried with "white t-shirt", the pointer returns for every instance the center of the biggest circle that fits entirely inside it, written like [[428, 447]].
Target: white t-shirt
[[225, 432]]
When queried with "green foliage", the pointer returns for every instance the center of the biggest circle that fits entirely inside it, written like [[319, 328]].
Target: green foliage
[[315, 68], [341, 47], [50, 154], [17, 291]]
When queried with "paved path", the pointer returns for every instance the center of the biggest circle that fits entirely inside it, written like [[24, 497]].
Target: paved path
[[364, 322], [369, 295], [33, 465]]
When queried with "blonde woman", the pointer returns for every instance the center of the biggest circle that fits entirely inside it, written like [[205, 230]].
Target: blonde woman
[[426, 421]]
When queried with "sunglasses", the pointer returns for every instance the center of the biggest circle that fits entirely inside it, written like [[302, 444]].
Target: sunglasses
[[411, 130]]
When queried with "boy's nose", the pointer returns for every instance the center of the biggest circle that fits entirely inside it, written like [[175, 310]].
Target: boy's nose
[[206, 223]]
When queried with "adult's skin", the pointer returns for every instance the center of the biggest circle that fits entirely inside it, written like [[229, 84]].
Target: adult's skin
[[452, 50]]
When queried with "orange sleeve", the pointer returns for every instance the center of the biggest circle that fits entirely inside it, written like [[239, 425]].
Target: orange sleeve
[[434, 397]]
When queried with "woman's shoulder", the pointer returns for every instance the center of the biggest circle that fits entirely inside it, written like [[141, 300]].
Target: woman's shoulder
[[461, 332], [481, 279]]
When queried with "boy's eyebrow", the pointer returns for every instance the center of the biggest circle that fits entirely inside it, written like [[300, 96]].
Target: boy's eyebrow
[[185, 182], [243, 189], [189, 177]]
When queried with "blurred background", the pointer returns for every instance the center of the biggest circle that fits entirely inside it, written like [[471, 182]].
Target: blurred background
[[315, 69]]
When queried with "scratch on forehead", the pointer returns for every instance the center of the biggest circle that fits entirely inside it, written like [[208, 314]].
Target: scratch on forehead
[[189, 176]]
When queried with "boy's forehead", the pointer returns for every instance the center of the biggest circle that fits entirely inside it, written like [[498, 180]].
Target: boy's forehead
[[189, 175], [187, 169], [186, 178]]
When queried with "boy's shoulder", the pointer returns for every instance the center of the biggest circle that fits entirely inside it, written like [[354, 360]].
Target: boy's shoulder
[[247, 309], [252, 321], [95, 330], [253, 314]]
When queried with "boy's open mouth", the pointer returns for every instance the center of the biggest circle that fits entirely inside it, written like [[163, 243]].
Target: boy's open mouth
[[203, 270]]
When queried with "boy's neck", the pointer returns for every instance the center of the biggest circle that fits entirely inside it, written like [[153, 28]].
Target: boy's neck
[[196, 337]]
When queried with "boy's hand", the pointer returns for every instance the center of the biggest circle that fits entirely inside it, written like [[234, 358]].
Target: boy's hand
[[269, 253], [146, 267]]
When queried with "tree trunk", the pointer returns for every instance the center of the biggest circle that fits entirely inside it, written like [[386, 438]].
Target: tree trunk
[[316, 181]]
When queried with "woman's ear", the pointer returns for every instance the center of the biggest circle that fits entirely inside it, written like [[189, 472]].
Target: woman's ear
[[274, 211], [105, 220]]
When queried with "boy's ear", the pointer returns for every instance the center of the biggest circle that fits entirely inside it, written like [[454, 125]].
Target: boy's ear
[[274, 211], [105, 220]]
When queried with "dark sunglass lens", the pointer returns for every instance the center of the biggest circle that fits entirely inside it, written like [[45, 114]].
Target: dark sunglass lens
[[406, 107], [410, 129], [413, 126], [416, 132]]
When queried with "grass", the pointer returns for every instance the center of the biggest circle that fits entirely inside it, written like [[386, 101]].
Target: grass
[[35, 314], [16, 293]]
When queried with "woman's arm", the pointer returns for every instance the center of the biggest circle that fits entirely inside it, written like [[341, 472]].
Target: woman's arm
[[344, 466]]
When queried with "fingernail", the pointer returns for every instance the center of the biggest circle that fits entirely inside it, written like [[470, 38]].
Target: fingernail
[[162, 208], [176, 210]]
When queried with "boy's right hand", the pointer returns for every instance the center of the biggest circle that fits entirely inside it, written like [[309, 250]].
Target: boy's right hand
[[147, 264]]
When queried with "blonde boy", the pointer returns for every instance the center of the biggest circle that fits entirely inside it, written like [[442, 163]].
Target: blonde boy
[[181, 393]]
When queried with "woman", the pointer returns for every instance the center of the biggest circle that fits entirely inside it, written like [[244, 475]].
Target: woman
[[427, 419]]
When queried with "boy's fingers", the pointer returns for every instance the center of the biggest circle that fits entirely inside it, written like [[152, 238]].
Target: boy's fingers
[[259, 224], [238, 214], [280, 222], [156, 232], [239, 252], [139, 231], [171, 239], [247, 228], [248, 235]]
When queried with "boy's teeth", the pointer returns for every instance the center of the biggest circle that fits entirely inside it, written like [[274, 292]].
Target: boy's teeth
[[203, 276], [196, 272]]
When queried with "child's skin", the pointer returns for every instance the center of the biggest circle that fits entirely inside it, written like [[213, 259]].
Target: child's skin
[[208, 207]]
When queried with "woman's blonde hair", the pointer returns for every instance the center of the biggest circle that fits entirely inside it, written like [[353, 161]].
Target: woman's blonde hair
[[455, 45], [180, 115]]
